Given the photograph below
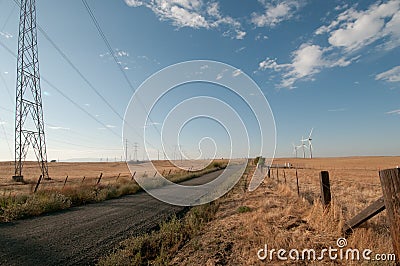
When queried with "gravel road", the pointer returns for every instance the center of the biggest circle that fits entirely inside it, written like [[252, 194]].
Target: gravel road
[[80, 235]]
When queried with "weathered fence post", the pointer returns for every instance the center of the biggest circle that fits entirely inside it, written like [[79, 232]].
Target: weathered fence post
[[37, 184], [277, 174], [284, 175], [169, 171], [65, 182], [118, 177], [325, 188], [155, 174], [98, 180], [83, 179], [133, 176], [297, 183], [390, 181], [269, 171]]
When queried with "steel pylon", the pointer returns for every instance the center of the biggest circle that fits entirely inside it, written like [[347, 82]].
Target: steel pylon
[[29, 124]]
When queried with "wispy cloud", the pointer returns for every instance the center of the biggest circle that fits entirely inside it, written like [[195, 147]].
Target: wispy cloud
[[236, 73], [221, 75], [152, 124], [240, 49], [349, 32], [110, 126], [6, 35], [58, 128], [338, 110], [394, 112], [3, 122], [275, 12], [192, 13], [392, 75]]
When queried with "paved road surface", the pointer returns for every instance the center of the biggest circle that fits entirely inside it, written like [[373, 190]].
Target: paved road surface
[[83, 234]]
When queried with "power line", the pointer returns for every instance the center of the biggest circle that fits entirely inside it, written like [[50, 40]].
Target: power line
[[112, 53], [107, 44], [8, 18], [64, 95], [6, 86]]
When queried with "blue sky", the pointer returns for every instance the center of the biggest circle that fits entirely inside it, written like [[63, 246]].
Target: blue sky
[[328, 65]]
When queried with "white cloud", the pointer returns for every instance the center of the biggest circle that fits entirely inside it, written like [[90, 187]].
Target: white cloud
[[353, 29], [394, 112], [134, 3], [236, 72], [58, 128], [307, 60], [260, 36], [221, 75], [6, 35], [240, 49], [6, 72], [392, 75], [110, 126], [275, 13], [2, 123], [192, 13]]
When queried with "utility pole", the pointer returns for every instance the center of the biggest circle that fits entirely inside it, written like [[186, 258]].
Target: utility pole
[[29, 124]]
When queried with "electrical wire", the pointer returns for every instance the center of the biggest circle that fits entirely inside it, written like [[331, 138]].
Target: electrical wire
[[112, 53], [66, 97]]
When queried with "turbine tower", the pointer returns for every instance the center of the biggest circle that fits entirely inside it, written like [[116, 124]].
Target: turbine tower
[[29, 125], [309, 143], [303, 146]]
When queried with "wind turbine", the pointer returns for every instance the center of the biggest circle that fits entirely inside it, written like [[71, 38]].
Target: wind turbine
[[309, 139], [309, 142], [303, 146], [294, 149]]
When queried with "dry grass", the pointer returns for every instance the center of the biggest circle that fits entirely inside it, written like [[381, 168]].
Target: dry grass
[[19, 202], [276, 216]]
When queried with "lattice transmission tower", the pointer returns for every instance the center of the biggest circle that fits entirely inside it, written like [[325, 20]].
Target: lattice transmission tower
[[29, 124]]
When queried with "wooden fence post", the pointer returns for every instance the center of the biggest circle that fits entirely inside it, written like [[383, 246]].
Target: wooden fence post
[[37, 184], [133, 176], [98, 180], [269, 171], [297, 182], [83, 179], [390, 181], [325, 188], [155, 174], [65, 182], [118, 177], [277, 174], [284, 175]]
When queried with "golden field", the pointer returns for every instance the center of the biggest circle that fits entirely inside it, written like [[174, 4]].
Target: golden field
[[275, 215]]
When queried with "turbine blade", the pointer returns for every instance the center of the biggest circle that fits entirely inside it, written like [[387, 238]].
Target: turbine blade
[[309, 136]]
